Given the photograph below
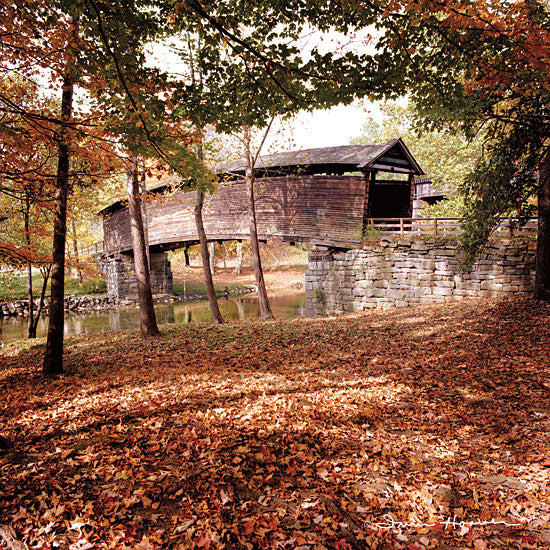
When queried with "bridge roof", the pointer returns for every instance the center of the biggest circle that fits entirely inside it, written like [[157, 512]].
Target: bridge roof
[[393, 156]]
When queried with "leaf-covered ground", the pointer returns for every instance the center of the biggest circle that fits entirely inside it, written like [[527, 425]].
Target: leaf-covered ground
[[384, 430]]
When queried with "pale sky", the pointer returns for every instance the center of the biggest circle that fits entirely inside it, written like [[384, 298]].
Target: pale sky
[[322, 128]]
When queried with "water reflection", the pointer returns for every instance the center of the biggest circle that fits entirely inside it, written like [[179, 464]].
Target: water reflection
[[288, 306]]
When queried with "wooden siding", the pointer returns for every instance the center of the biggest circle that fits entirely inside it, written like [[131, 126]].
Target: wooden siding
[[323, 210]]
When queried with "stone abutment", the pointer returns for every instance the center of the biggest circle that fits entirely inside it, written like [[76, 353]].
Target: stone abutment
[[121, 276], [395, 273]]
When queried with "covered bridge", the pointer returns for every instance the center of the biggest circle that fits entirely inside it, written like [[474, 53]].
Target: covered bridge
[[318, 196]]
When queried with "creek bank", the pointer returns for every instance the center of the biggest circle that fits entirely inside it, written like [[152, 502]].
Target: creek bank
[[104, 302], [72, 303]]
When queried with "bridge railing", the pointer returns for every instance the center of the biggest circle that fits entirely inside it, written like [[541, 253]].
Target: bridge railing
[[442, 227], [92, 249]]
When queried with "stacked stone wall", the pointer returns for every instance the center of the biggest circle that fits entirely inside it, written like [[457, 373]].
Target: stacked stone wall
[[395, 273], [121, 276]]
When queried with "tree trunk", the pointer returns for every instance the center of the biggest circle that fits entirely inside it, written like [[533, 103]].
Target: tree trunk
[[31, 331], [205, 256], [26, 216], [239, 265], [199, 203], [265, 308], [212, 253], [224, 255], [542, 277], [186, 254], [36, 318], [53, 358], [144, 219], [212, 299], [148, 320], [76, 255]]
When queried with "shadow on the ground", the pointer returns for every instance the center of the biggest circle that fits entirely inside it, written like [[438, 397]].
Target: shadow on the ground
[[292, 433]]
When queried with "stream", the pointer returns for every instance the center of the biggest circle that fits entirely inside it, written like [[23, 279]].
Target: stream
[[287, 306]]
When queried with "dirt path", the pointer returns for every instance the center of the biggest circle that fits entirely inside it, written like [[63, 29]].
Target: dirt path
[[278, 279]]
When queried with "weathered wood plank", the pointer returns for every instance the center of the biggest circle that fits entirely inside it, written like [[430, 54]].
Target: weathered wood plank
[[316, 209]]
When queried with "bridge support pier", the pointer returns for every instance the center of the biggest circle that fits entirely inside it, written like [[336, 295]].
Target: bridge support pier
[[121, 276], [403, 272]]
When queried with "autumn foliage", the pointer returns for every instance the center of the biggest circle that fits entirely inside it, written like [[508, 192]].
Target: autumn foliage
[[305, 434]]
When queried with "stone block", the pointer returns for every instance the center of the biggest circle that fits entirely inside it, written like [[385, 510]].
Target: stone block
[[444, 284], [438, 291], [395, 294], [444, 272], [422, 291], [486, 293], [449, 252], [510, 288], [490, 285], [380, 284]]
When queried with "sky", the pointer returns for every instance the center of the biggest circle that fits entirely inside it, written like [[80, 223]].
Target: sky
[[336, 126], [323, 128]]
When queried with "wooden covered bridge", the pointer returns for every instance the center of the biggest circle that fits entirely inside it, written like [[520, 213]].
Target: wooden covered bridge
[[318, 196]]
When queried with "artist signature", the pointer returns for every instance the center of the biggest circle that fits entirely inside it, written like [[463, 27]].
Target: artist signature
[[448, 523]]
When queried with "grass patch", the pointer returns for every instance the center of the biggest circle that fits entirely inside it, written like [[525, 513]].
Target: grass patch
[[14, 287], [200, 288]]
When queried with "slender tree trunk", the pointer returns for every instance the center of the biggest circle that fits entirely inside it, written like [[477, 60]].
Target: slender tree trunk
[[265, 308], [186, 254], [30, 299], [199, 201], [205, 256], [148, 320], [239, 265], [225, 255], [542, 277], [212, 253], [212, 299], [45, 278], [53, 358], [143, 189], [76, 254], [31, 332]]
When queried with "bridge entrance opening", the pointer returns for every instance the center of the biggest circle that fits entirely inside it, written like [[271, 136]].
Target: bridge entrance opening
[[389, 198]]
